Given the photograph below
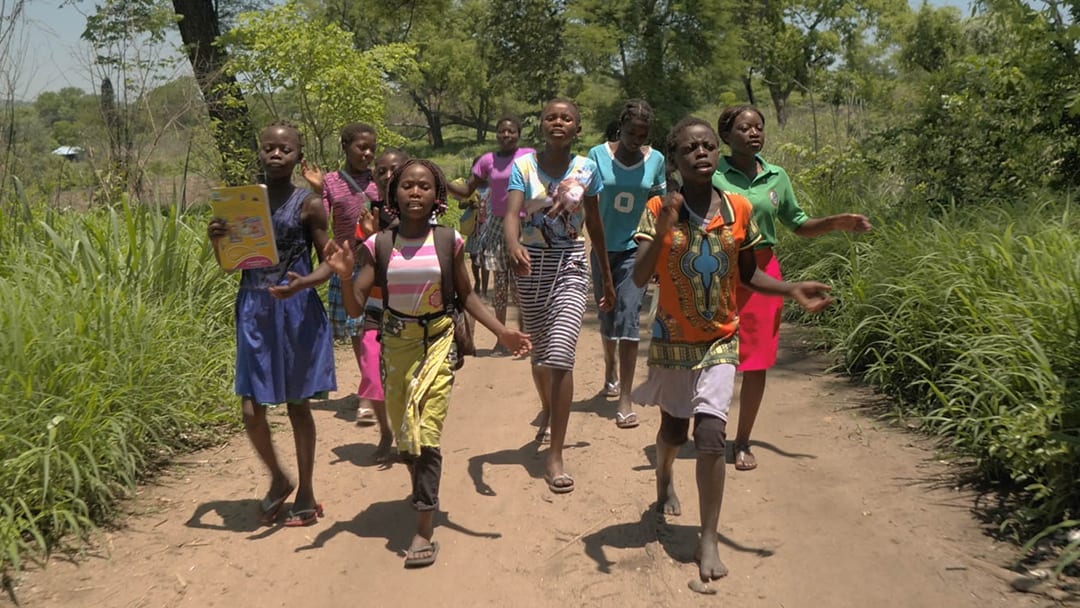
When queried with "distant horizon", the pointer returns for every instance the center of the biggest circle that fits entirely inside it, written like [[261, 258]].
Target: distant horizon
[[56, 56]]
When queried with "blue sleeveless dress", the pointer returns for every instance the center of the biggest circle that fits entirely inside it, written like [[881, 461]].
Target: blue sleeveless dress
[[284, 348]]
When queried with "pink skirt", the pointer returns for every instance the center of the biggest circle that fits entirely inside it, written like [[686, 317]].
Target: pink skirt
[[759, 319], [370, 372]]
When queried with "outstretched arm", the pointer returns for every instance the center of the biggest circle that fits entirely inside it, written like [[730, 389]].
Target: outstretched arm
[[515, 341], [844, 222], [464, 192], [811, 295]]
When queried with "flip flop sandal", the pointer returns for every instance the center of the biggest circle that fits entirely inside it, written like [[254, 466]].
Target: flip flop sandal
[[427, 560], [565, 488], [304, 517], [626, 421], [365, 416], [612, 389], [741, 463], [269, 508], [543, 436]]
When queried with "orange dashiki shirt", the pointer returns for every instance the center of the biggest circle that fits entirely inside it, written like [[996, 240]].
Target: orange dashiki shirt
[[698, 268]]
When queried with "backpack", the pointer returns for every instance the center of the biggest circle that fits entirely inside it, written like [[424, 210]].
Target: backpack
[[444, 250]]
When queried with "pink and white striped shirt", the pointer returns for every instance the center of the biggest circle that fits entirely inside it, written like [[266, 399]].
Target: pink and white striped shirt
[[412, 275], [343, 206]]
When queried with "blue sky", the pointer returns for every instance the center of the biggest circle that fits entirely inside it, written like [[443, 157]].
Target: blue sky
[[56, 57]]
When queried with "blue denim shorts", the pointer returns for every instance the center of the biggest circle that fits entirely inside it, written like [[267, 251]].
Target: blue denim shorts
[[624, 321]]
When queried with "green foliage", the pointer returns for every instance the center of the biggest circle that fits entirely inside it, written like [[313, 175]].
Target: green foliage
[[115, 341], [675, 55], [1000, 120], [971, 321], [291, 51], [932, 39]]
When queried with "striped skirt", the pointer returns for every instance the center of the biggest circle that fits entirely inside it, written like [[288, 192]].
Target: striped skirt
[[552, 300]]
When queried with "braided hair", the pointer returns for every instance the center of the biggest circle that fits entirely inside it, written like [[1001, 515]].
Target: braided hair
[[440, 206]]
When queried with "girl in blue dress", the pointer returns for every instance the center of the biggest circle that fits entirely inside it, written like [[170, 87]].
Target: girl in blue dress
[[284, 347]]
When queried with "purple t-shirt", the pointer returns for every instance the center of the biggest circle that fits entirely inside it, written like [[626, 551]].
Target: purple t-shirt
[[495, 170]]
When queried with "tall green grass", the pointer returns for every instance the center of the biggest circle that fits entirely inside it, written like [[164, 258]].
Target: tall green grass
[[970, 318], [115, 350]]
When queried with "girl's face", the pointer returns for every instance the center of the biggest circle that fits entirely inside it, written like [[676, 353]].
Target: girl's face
[[416, 193], [747, 135], [559, 123], [697, 154], [384, 168], [360, 151], [634, 133], [507, 135], [279, 151]]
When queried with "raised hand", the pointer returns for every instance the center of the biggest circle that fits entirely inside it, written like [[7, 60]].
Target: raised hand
[[340, 259], [669, 212], [295, 284], [313, 175], [367, 221], [811, 295]]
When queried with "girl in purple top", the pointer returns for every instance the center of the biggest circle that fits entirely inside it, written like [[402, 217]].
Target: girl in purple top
[[493, 169]]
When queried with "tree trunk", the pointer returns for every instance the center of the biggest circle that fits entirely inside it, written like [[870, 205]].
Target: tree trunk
[[199, 28], [748, 84], [779, 98], [433, 118]]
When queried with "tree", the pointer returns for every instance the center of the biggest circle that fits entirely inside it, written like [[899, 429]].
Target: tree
[[932, 39], [674, 54], [292, 52], [200, 26], [789, 42], [128, 40]]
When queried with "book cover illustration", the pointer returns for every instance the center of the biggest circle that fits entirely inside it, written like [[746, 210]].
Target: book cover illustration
[[250, 242]]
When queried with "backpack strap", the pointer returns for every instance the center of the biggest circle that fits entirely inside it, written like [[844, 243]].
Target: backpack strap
[[444, 250], [384, 247]]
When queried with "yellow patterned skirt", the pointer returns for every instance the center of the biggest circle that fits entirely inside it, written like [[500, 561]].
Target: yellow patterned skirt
[[417, 376]]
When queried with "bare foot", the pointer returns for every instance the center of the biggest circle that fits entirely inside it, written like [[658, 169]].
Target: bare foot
[[382, 452], [666, 500], [710, 567]]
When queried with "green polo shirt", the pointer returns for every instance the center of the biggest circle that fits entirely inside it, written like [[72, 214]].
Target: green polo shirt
[[770, 194]]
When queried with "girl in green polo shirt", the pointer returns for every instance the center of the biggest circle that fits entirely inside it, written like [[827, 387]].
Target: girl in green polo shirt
[[767, 186]]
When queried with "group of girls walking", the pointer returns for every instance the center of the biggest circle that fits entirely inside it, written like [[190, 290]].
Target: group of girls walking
[[699, 225]]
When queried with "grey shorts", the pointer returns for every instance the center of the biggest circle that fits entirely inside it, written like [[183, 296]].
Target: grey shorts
[[624, 321]]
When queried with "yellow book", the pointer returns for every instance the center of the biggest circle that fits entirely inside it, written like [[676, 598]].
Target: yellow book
[[250, 242]]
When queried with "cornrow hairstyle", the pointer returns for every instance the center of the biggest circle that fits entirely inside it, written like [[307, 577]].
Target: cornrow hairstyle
[[636, 108], [727, 117], [510, 118], [440, 186], [672, 146], [351, 131]]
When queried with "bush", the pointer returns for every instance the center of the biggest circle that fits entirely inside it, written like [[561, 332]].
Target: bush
[[116, 346], [971, 320]]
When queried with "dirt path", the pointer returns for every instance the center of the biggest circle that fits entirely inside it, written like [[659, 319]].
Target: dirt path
[[842, 512]]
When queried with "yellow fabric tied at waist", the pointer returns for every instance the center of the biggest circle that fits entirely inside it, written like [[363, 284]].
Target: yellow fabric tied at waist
[[417, 377]]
